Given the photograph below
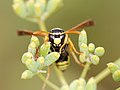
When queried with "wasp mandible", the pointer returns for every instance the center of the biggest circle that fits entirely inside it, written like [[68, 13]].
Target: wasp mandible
[[60, 41]]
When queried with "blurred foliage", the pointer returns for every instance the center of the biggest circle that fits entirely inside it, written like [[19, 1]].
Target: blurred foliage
[[106, 32]]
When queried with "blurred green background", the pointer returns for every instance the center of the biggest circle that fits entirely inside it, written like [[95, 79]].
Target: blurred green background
[[106, 33]]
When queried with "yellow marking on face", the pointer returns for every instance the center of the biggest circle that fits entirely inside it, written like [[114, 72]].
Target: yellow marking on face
[[57, 40]]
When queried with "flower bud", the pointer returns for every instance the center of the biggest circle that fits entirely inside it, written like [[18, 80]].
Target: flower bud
[[84, 49], [91, 84], [82, 57], [35, 40], [116, 75], [27, 74], [45, 49], [37, 9], [91, 47], [51, 58], [64, 87], [74, 85], [53, 6], [95, 59], [41, 61], [32, 48], [99, 51], [31, 65], [26, 56], [30, 7], [112, 67], [20, 8], [82, 38], [78, 84], [42, 4]]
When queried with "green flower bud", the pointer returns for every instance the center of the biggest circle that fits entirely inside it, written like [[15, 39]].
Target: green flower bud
[[32, 48], [26, 56], [42, 4], [99, 51], [116, 76], [82, 38], [64, 87], [35, 40], [45, 49], [27, 74], [78, 84], [41, 61], [95, 59], [112, 67], [84, 49], [52, 6], [74, 85], [51, 58], [37, 9], [31, 65], [30, 7], [91, 47], [82, 57], [20, 8], [91, 84]]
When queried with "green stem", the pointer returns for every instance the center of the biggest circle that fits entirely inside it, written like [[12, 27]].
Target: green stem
[[48, 82], [60, 76], [105, 72], [85, 70], [42, 25], [102, 75]]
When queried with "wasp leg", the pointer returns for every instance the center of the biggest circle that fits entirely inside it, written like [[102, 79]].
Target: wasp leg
[[72, 50], [47, 77], [73, 47], [65, 41]]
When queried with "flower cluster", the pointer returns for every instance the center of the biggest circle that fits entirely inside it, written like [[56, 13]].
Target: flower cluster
[[90, 53], [37, 58], [36, 10], [115, 70]]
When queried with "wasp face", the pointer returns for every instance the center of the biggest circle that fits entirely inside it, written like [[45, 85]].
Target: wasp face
[[56, 37]]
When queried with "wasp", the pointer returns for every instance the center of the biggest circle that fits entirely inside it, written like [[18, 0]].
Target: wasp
[[60, 41]]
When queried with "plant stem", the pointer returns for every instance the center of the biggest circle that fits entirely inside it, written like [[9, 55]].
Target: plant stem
[[102, 75], [60, 76], [42, 25], [48, 82], [105, 72], [85, 70]]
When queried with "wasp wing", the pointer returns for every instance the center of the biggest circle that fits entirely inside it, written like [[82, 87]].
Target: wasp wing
[[85, 23], [27, 32]]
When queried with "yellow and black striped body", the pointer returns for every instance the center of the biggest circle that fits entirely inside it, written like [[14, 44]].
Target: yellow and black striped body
[[57, 37]]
